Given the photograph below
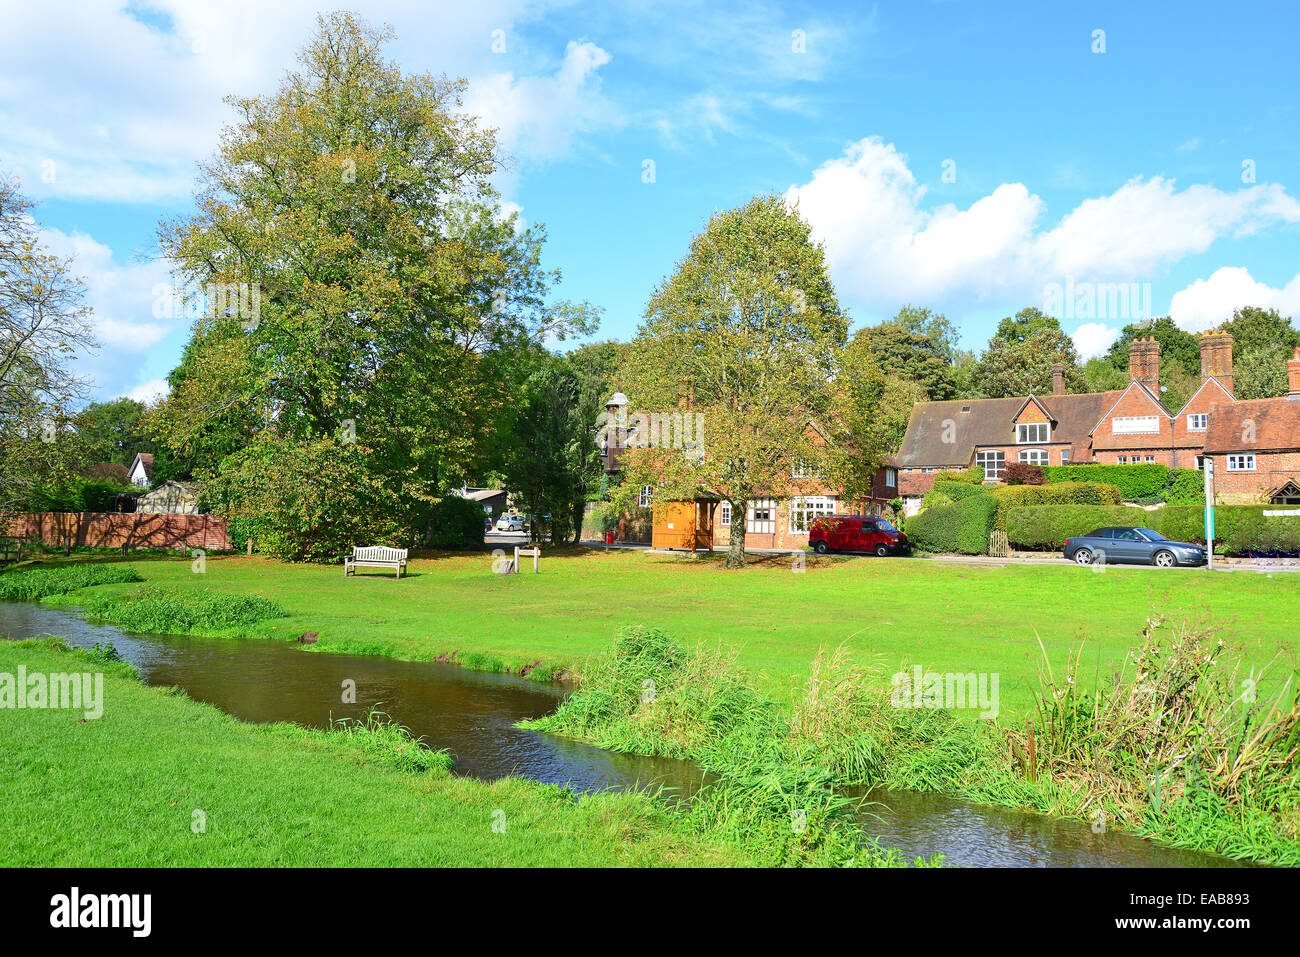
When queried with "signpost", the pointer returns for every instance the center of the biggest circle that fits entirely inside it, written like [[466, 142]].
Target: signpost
[[1209, 511]]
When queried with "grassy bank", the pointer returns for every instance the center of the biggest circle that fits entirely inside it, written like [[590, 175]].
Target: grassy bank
[[123, 791], [1177, 746], [889, 614]]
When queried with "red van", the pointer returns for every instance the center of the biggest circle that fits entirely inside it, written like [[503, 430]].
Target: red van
[[856, 533]]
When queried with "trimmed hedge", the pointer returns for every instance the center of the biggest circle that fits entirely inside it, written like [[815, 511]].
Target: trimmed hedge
[[1058, 493], [1133, 481], [1046, 527], [1186, 487], [1147, 484], [971, 476], [961, 527], [1238, 529]]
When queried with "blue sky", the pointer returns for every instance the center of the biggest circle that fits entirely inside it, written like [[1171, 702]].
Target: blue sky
[[1170, 160]]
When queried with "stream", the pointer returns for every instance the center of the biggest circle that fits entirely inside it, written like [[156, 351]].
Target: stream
[[473, 714]]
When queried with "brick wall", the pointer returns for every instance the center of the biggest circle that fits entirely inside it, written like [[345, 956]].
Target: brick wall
[[1272, 469], [112, 530]]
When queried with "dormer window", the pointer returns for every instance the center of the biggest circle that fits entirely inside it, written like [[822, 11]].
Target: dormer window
[[1032, 433]]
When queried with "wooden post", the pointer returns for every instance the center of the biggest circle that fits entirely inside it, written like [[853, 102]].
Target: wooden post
[[250, 547]]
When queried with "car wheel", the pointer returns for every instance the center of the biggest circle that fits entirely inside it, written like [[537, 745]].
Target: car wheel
[[821, 548], [1164, 559], [882, 551], [1083, 556]]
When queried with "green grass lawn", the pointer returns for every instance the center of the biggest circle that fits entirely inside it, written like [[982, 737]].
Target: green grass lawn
[[892, 613], [122, 791]]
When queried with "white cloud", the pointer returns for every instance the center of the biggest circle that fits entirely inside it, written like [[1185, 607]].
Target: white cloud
[[1092, 339], [539, 116], [1207, 303], [885, 247], [149, 392], [122, 301], [122, 109]]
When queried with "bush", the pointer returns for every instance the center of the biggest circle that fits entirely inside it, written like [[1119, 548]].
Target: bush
[[971, 476], [1046, 527], [76, 494], [1185, 487], [1133, 481], [311, 501], [1238, 529], [961, 527], [1022, 473], [1060, 493], [457, 523]]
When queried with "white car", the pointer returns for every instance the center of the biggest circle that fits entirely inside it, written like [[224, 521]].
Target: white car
[[510, 523]]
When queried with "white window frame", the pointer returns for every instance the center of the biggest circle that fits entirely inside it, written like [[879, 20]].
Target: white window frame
[[1200, 462], [646, 497], [806, 508], [1148, 460], [1065, 456], [891, 478], [761, 526], [1121, 460], [1040, 457], [1000, 463], [1038, 438], [1241, 463], [1202, 417], [724, 513], [1135, 425]]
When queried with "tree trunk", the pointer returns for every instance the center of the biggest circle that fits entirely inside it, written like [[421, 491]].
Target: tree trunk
[[736, 543], [579, 513]]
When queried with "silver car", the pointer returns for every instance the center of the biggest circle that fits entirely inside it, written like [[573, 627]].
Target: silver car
[[1134, 546]]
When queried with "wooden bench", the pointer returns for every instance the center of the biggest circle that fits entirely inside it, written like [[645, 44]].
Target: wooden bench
[[375, 556]]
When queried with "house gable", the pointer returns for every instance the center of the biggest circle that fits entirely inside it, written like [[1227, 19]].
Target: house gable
[[1210, 392], [1144, 422]]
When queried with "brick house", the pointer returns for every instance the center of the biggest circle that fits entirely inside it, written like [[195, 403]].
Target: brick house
[[770, 523], [1256, 446], [1125, 426]]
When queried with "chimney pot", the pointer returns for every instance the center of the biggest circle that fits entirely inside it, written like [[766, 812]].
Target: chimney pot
[[1216, 357], [1293, 375]]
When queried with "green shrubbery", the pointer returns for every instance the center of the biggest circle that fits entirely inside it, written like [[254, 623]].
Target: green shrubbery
[[1046, 527], [76, 494], [961, 527], [1144, 484], [39, 582], [160, 611], [311, 501], [1058, 493], [1238, 529], [457, 523]]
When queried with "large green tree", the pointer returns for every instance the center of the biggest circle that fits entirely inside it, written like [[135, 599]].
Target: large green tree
[[111, 431], [358, 280], [1262, 342], [1020, 356], [916, 344], [44, 324], [745, 334]]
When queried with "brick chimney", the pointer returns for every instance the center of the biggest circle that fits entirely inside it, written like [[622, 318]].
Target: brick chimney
[[1293, 375], [1058, 379], [1216, 357], [1144, 363]]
